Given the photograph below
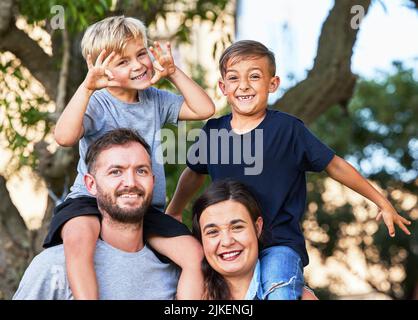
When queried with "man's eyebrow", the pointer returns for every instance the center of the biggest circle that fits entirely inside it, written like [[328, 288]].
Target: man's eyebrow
[[114, 166], [118, 166], [147, 166]]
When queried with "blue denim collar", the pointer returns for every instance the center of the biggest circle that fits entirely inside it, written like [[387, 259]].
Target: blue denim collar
[[255, 291]]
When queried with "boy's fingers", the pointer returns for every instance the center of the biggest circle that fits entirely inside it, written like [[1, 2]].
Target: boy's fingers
[[89, 62], [155, 78], [108, 59], [406, 221], [158, 66], [379, 216], [158, 47], [391, 227], [404, 228], [154, 53], [99, 59], [168, 46], [109, 74]]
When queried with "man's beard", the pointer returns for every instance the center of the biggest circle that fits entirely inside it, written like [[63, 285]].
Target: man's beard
[[133, 215]]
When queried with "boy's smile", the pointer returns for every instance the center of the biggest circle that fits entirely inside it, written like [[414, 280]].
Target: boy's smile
[[247, 84]]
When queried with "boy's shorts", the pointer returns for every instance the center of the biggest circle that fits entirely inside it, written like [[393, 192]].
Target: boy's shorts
[[155, 222]]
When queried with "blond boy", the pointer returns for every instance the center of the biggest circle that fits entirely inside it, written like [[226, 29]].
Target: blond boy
[[117, 93]]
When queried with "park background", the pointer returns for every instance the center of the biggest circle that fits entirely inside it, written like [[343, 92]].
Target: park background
[[348, 69]]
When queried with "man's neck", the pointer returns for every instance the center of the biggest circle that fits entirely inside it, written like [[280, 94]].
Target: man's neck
[[124, 95], [122, 236]]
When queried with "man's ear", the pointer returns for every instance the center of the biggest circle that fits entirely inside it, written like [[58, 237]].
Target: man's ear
[[274, 84], [222, 86], [259, 226], [90, 183]]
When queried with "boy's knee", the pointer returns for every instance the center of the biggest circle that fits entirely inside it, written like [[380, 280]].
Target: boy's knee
[[288, 289]]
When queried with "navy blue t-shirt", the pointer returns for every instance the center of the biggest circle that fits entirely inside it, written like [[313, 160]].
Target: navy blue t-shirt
[[271, 160]]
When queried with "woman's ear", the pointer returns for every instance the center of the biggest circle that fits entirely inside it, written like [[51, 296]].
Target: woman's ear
[[259, 226], [274, 84], [90, 183]]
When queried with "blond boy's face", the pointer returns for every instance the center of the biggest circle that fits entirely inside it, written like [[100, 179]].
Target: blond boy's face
[[247, 84], [133, 68]]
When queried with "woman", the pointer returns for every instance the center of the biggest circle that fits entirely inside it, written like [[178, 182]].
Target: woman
[[227, 221]]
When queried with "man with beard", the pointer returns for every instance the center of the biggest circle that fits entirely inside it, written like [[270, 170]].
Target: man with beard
[[120, 177]]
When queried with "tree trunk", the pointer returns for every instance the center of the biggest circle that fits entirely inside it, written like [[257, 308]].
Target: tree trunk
[[15, 244], [330, 82]]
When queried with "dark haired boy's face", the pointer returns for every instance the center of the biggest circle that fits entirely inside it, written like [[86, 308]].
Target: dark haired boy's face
[[247, 84], [123, 181]]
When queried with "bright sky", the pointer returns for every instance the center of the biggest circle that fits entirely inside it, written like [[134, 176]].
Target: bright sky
[[291, 29]]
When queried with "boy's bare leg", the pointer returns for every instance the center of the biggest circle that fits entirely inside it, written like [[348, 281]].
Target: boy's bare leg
[[80, 235], [187, 253]]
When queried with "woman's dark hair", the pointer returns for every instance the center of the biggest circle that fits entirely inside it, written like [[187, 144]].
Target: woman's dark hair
[[219, 191]]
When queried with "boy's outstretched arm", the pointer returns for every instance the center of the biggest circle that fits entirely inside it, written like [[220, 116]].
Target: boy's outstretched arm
[[189, 183], [341, 171], [69, 128], [197, 104]]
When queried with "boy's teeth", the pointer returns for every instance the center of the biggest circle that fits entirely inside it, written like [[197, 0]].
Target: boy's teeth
[[245, 97], [139, 77]]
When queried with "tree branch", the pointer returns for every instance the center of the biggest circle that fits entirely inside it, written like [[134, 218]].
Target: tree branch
[[63, 77], [330, 81], [15, 247], [6, 15], [41, 66]]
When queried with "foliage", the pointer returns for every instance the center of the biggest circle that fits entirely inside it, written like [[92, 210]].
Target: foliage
[[382, 129], [24, 113], [78, 14]]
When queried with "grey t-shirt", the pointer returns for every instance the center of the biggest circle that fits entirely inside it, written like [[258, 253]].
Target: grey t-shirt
[[146, 117], [120, 276]]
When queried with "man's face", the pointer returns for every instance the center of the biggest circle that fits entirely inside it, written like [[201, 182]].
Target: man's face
[[122, 182], [133, 68], [247, 84]]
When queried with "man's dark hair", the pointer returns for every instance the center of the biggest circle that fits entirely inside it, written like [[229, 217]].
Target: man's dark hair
[[246, 49], [117, 137]]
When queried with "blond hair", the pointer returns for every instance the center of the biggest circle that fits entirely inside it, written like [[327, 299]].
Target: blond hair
[[111, 34]]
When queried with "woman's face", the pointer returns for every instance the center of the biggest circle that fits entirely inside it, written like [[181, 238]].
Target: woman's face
[[229, 238]]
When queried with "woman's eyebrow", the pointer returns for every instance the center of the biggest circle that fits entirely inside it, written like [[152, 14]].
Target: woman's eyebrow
[[212, 225]]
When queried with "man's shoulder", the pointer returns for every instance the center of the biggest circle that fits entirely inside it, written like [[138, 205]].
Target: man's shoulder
[[45, 277], [48, 259]]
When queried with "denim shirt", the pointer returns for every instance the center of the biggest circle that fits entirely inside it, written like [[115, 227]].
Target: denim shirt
[[255, 290]]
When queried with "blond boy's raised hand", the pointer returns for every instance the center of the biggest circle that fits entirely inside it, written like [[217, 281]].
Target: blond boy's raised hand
[[390, 218], [98, 75], [164, 63]]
